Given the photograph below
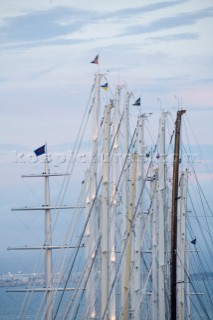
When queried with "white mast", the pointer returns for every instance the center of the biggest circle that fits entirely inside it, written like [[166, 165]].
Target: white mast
[[125, 187], [48, 289], [88, 233], [125, 289], [188, 308], [168, 209], [105, 213], [136, 293], [154, 235], [161, 218], [48, 243], [181, 229], [113, 208], [93, 223]]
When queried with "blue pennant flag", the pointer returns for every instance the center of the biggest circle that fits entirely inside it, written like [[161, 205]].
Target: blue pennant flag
[[40, 150], [96, 60], [194, 241], [105, 86], [137, 102]]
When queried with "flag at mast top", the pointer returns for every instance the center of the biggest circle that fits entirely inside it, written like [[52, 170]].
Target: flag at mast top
[[41, 150], [105, 86], [137, 102], [96, 60]]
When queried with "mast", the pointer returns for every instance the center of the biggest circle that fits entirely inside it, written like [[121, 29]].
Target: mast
[[173, 262], [129, 240], [188, 308], [161, 218], [105, 213], [48, 243], [136, 293], [181, 245], [125, 187], [88, 232], [113, 207], [94, 220], [154, 235], [49, 288]]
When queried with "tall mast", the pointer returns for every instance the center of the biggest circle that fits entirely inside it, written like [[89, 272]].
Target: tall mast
[[88, 233], [95, 133], [154, 235], [47, 246], [161, 218], [181, 228], [94, 220], [173, 262], [136, 290], [125, 310], [113, 200], [48, 243], [188, 297], [124, 187], [105, 213]]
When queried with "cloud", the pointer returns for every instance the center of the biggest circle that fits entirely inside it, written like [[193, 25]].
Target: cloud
[[180, 20], [175, 37], [57, 24], [128, 13], [44, 25], [44, 42]]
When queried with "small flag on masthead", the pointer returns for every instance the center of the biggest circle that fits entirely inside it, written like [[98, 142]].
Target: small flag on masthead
[[194, 241], [105, 86], [137, 102], [40, 150], [96, 60]]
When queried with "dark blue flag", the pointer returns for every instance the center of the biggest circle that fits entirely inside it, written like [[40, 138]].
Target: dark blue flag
[[194, 241], [40, 150], [95, 61], [105, 86], [137, 102]]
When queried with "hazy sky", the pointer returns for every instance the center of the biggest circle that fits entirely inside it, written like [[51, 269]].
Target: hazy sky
[[158, 49]]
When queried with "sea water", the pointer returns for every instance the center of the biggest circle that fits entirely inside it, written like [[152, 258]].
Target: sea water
[[11, 304]]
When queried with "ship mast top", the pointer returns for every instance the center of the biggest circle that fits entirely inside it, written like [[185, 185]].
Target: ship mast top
[[173, 262]]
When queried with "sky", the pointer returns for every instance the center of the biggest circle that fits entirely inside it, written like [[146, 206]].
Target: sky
[[160, 50]]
